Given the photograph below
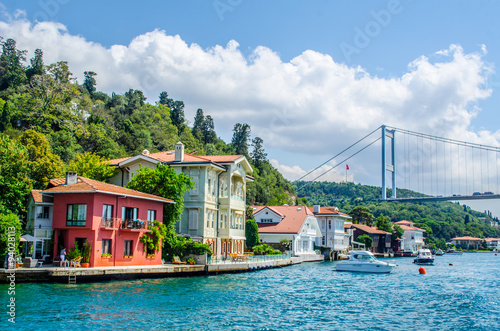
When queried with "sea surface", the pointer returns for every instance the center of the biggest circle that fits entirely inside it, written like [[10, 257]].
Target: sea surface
[[309, 296]]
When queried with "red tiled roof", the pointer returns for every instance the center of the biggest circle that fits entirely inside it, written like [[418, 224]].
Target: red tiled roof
[[467, 238], [328, 211], [492, 239], [369, 229], [89, 185], [291, 223]]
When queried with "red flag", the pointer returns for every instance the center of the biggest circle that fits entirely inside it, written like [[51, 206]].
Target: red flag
[[346, 167]]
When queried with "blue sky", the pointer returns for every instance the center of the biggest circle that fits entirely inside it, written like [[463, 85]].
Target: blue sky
[[311, 77]]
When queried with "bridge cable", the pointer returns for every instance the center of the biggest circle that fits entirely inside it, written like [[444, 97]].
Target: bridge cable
[[338, 154], [346, 159]]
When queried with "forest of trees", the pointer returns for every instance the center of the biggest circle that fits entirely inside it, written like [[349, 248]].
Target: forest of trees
[[48, 120]]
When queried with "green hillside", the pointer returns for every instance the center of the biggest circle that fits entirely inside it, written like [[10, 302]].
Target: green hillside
[[441, 220]]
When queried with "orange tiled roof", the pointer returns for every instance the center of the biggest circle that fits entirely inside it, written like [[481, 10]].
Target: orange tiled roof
[[467, 238], [404, 222], [328, 211], [492, 239], [38, 197], [169, 156], [409, 228], [291, 223], [369, 229], [89, 185]]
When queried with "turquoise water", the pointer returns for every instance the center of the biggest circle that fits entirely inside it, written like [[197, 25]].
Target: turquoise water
[[309, 296]]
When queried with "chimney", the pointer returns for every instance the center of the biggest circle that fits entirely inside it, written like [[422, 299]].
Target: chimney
[[315, 209], [145, 152], [71, 178], [179, 152]]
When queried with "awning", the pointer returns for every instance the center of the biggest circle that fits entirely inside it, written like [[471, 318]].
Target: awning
[[28, 237]]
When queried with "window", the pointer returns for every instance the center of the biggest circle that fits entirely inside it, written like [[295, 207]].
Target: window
[[128, 248], [77, 215], [107, 213], [266, 220], [42, 212], [129, 213], [151, 215], [106, 246], [323, 241], [329, 224]]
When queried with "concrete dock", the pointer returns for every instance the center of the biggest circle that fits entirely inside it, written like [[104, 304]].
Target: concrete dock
[[84, 275]]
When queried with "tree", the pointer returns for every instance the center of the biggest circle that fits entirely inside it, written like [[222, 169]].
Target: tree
[[258, 155], [10, 227], [13, 73], [43, 165], [383, 223], [365, 239], [199, 121], [251, 229], [89, 82], [92, 166], [164, 99], [241, 135], [397, 232], [208, 129], [15, 183], [164, 182], [37, 67], [177, 114], [361, 214]]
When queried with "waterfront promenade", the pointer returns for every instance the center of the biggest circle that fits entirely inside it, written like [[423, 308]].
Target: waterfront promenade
[[81, 275]]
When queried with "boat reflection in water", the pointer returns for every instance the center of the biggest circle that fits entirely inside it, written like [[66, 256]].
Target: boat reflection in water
[[363, 261]]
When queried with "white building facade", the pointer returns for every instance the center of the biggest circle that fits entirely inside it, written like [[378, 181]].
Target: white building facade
[[295, 224], [331, 223], [413, 237]]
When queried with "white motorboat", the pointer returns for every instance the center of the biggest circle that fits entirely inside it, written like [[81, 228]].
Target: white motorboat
[[364, 261], [439, 252], [424, 256]]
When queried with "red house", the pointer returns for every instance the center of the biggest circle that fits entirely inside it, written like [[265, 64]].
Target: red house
[[108, 217]]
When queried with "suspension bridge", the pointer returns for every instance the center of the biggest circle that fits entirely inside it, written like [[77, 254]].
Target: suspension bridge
[[437, 168]]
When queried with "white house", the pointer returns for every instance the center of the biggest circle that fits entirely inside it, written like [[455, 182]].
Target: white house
[[38, 225], [331, 223], [214, 210], [413, 237], [493, 243], [296, 224]]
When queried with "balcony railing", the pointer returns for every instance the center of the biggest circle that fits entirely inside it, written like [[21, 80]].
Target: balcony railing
[[110, 223], [134, 224]]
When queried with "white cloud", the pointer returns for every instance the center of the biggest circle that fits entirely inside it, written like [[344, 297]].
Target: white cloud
[[310, 106]]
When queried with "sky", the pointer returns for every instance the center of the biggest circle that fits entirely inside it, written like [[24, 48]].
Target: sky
[[310, 77]]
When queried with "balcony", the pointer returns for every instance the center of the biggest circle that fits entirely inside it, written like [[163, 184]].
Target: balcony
[[129, 224], [110, 223]]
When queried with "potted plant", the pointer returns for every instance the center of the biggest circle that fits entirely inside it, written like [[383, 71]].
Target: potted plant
[[106, 256], [191, 261], [86, 250]]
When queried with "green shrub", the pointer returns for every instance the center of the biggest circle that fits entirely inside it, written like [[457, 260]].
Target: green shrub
[[265, 249]]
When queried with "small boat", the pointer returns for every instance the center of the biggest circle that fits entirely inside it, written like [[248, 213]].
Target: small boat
[[439, 252], [454, 252], [424, 256], [364, 261]]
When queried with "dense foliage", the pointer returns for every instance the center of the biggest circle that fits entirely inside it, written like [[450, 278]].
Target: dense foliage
[[48, 120]]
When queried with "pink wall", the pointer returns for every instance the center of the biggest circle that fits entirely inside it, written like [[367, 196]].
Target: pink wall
[[95, 234]]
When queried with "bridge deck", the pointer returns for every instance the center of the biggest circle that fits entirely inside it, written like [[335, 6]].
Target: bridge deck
[[448, 198]]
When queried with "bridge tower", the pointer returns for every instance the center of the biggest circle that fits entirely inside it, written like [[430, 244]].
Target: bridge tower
[[386, 133]]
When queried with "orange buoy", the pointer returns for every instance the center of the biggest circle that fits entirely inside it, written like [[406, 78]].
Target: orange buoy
[[451, 264], [422, 271]]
